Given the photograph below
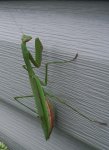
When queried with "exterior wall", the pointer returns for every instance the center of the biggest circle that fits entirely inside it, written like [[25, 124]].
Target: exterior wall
[[64, 29]]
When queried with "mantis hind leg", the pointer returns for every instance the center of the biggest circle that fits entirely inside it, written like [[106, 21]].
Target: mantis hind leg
[[22, 97], [74, 109]]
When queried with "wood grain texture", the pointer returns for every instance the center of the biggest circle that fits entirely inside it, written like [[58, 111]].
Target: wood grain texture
[[64, 28]]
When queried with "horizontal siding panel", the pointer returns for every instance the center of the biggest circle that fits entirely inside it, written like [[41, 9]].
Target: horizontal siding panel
[[21, 131], [64, 29]]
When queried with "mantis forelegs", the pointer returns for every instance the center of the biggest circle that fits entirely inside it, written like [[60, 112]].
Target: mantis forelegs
[[74, 109]]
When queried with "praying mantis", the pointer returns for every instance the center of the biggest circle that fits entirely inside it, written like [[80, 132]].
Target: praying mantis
[[44, 107]]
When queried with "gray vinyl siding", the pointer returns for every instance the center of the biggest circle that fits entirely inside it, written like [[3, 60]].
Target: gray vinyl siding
[[65, 28]]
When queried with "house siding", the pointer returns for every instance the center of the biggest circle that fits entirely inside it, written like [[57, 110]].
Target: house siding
[[64, 28]]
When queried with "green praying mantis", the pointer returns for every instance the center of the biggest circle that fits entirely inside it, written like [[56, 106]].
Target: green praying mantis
[[44, 107]]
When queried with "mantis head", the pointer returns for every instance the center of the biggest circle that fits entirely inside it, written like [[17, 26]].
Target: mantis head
[[26, 38]]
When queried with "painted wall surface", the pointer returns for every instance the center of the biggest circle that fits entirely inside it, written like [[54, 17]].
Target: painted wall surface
[[64, 28]]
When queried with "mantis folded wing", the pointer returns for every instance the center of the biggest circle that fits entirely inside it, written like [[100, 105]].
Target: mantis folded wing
[[44, 107]]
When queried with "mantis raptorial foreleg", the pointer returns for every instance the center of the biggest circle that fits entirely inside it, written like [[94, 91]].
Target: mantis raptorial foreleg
[[74, 109], [38, 54]]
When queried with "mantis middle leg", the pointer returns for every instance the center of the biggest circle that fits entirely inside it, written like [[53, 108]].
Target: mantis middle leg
[[55, 62], [21, 97], [44, 83]]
